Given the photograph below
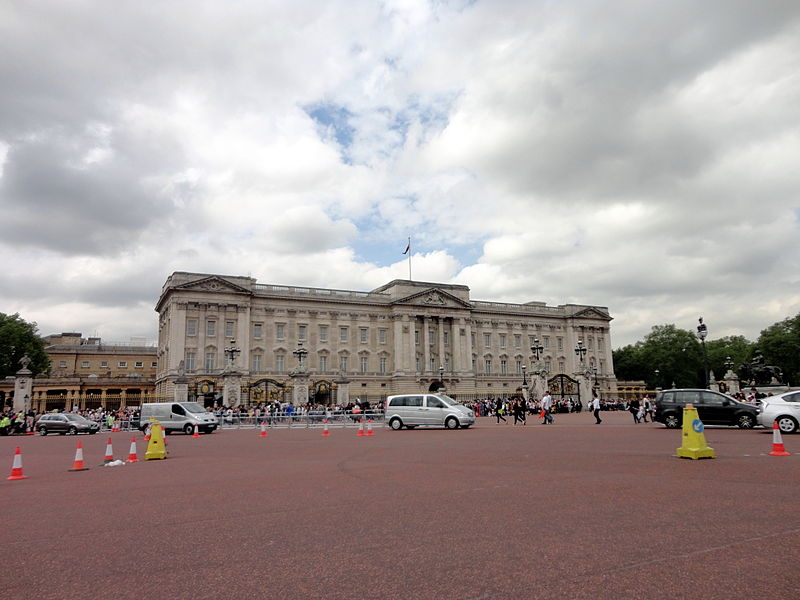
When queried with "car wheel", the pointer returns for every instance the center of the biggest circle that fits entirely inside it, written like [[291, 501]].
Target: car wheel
[[672, 421], [395, 424], [451, 423], [42, 430], [188, 429], [746, 422], [786, 424], [72, 431]]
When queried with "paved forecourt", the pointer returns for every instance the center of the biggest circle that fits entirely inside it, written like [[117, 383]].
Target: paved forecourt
[[570, 510]]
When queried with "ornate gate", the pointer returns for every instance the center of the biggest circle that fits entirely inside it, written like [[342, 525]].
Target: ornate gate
[[265, 390], [563, 387]]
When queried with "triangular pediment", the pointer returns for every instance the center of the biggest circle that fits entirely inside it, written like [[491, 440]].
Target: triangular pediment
[[433, 297], [593, 313], [213, 284]]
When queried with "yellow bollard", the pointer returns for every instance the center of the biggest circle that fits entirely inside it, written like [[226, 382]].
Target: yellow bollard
[[155, 447], [693, 439]]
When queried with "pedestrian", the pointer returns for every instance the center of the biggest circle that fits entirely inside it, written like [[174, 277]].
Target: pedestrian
[[547, 405], [498, 411], [645, 409], [519, 412], [596, 408], [633, 407]]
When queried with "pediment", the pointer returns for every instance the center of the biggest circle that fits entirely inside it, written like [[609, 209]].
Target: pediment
[[213, 284], [433, 297], [593, 313]]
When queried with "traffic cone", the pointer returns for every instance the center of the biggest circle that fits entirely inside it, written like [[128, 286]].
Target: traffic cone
[[196, 431], [109, 457], [777, 442], [115, 427], [147, 433], [77, 464], [369, 428], [16, 467], [132, 454], [263, 430], [325, 432], [360, 429]]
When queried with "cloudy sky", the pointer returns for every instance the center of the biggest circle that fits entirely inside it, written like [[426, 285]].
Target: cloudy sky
[[640, 155]]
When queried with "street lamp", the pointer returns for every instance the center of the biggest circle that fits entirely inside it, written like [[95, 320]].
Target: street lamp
[[441, 374], [657, 372], [524, 376], [728, 363], [702, 332], [301, 354], [537, 349], [580, 351], [231, 352]]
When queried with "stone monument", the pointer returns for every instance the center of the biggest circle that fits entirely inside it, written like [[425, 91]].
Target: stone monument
[[23, 386]]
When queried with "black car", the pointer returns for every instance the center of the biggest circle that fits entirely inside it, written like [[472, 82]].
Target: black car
[[713, 408], [65, 423]]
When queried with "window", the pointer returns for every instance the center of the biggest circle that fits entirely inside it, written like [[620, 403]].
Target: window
[[531, 339], [546, 342], [435, 403], [363, 336], [560, 343], [191, 326], [103, 364], [343, 334], [280, 331], [446, 364], [472, 339], [446, 338], [504, 367], [363, 364], [85, 364], [139, 364], [561, 366], [229, 326], [210, 359], [343, 364], [433, 364], [517, 340], [323, 363], [487, 340], [256, 359], [301, 332], [519, 367], [279, 363], [590, 343], [122, 364], [188, 361], [431, 336], [323, 333], [381, 336], [154, 364], [487, 365], [502, 340], [258, 330], [712, 399], [382, 365], [416, 337], [418, 364], [62, 364], [211, 328]]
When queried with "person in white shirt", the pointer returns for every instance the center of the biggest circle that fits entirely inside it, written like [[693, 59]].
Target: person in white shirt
[[596, 408], [547, 404]]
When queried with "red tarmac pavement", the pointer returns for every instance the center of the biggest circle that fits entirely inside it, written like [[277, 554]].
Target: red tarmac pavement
[[572, 510]]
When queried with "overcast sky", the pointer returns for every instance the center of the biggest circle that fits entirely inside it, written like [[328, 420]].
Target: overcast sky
[[639, 155]]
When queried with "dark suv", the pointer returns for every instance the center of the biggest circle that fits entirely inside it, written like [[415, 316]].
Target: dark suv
[[65, 423], [713, 408]]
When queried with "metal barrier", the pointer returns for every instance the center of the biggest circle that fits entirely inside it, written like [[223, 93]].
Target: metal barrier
[[305, 421]]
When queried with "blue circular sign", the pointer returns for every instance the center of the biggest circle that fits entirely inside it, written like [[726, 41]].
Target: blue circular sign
[[697, 425]]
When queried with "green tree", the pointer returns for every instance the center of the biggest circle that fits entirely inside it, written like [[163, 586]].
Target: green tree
[[780, 345], [628, 362], [18, 338], [676, 354], [735, 347]]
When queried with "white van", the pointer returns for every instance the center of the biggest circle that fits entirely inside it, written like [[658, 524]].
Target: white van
[[427, 410], [178, 416]]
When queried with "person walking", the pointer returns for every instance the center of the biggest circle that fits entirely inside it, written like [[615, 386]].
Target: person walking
[[519, 411], [634, 408], [498, 410], [547, 405], [596, 408]]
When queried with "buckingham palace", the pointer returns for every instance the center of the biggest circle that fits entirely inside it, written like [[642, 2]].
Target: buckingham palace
[[402, 337]]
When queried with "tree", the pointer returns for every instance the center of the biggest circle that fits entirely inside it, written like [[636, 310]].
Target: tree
[[18, 338], [780, 345], [735, 347]]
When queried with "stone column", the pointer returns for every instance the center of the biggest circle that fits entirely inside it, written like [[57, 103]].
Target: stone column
[[399, 366], [299, 388], [342, 391], [441, 321], [231, 388], [23, 386], [426, 345], [468, 349]]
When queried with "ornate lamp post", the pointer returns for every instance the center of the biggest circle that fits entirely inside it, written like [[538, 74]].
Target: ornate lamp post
[[231, 352], [524, 376], [702, 332], [657, 372], [728, 364], [536, 349], [441, 374], [301, 354], [580, 351]]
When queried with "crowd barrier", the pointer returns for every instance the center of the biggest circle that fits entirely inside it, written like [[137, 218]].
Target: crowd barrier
[[304, 421]]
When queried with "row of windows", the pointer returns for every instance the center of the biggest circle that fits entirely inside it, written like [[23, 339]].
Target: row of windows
[[123, 364]]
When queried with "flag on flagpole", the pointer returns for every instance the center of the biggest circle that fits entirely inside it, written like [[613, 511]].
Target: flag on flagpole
[[408, 248]]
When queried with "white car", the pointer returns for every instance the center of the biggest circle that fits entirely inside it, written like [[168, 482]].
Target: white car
[[784, 408]]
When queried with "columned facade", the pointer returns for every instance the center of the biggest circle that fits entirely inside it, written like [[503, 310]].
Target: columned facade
[[400, 337]]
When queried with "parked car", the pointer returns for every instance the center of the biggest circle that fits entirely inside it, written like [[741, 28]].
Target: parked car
[[65, 423], [783, 408], [427, 410], [713, 408]]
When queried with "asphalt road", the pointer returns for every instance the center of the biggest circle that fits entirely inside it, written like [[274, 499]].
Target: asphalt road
[[572, 510]]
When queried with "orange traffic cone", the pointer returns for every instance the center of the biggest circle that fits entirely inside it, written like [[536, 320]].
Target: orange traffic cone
[[777, 442], [196, 431], [147, 433], [369, 428], [16, 467], [115, 427], [132, 454], [360, 429], [325, 432], [77, 464], [109, 457], [263, 430]]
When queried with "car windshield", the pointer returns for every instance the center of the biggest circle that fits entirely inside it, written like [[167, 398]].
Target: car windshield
[[76, 418], [194, 407]]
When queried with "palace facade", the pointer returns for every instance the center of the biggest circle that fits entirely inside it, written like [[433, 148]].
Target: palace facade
[[401, 337]]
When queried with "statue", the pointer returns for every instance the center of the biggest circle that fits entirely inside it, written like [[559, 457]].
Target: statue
[[757, 373]]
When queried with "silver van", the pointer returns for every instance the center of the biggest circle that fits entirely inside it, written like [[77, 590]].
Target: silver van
[[178, 416], [427, 410]]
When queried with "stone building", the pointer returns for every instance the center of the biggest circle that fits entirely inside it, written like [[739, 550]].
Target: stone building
[[87, 373], [403, 336]]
